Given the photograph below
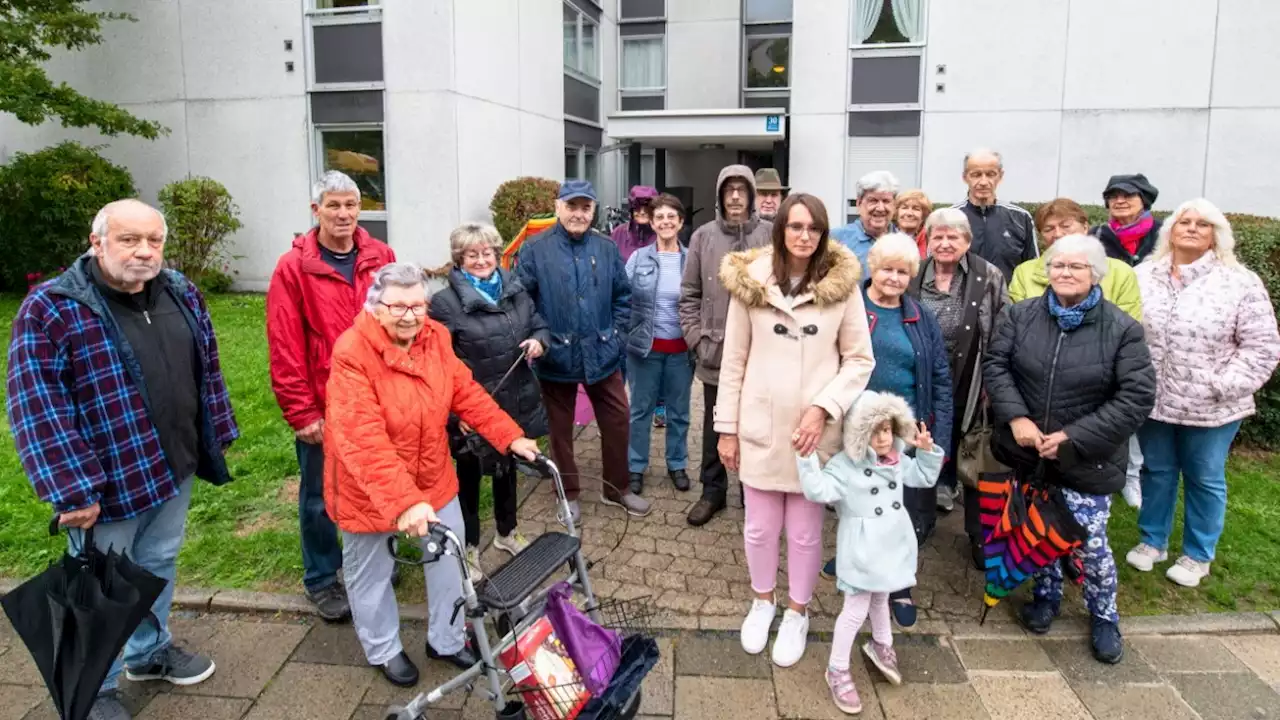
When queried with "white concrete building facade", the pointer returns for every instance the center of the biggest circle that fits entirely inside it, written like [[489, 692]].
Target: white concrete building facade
[[431, 104]]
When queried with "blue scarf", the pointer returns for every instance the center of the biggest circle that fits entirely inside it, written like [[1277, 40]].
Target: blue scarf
[[490, 289], [1069, 318]]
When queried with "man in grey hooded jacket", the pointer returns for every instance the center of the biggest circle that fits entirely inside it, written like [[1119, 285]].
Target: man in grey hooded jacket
[[704, 305]]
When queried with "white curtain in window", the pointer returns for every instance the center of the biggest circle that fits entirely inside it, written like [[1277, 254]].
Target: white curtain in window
[[643, 64], [866, 13], [908, 16]]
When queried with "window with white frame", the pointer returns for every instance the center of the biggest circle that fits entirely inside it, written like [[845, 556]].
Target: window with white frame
[[581, 41], [766, 11], [766, 58], [888, 22], [648, 170], [581, 163], [358, 151], [343, 6], [644, 64]]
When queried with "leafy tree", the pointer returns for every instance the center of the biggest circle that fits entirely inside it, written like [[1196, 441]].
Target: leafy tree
[[201, 217], [29, 30]]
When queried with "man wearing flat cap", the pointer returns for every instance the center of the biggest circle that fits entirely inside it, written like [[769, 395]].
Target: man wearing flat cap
[[1130, 233]]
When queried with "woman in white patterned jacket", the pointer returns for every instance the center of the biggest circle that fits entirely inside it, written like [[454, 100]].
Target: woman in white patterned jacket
[[1212, 333]]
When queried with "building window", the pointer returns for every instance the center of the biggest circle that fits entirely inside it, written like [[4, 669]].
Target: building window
[[580, 163], [359, 153], [580, 43], [888, 22], [766, 11], [767, 59], [648, 170], [344, 5], [644, 64]]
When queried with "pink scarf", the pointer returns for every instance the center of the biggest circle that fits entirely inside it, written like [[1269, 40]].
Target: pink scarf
[[1130, 235]]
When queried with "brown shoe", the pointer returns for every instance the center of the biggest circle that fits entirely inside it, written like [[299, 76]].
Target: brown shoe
[[704, 510]]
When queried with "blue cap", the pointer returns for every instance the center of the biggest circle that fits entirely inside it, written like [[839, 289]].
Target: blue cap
[[577, 189]]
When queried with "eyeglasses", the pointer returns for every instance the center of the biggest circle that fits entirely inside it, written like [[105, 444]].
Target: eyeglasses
[[1073, 267], [801, 229], [402, 310]]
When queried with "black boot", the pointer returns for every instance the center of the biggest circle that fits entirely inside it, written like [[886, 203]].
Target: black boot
[[400, 671], [680, 479], [637, 483], [705, 509]]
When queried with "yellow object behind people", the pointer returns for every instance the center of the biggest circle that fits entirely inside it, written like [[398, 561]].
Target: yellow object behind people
[[1120, 285]]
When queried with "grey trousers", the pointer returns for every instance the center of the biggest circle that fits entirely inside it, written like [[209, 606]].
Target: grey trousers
[[1135, 460], [374, 610]]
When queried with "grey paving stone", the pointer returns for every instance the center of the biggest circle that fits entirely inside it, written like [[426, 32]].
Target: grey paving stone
[[248, 655], [378, 712], [718, 657], [713, 698], [1187, 653], [335, 644], [1002, 654], [193, 707], [315, 692], [1260, 652], [241, 600], [931, 702], [1074, 659], [431, 674], [1019, 698], [1133, 702], [659, 697], [801, 690], [17, 700], [921, 659], [17, 668], [1240, 622], [1227, 696]]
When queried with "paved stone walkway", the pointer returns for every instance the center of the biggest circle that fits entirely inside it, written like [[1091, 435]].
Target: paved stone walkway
[[293, 668]]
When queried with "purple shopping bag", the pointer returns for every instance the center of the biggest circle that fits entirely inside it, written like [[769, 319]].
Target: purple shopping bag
[[594, 649]]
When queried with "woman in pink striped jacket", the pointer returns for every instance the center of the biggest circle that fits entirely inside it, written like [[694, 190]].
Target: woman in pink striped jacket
[[1212, 333]]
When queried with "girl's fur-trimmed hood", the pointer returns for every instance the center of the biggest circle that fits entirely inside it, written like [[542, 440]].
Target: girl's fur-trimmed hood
[[871, 409], [748, 274]]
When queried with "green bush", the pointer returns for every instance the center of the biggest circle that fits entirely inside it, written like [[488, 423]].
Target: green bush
[[1258, 248], [50, 199], [517, 200], [201, 217]]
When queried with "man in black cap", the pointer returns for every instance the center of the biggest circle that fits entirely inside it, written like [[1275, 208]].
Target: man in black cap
[[1130, 235]]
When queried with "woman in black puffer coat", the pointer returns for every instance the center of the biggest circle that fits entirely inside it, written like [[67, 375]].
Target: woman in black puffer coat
[[492, 320], [1070, 379]]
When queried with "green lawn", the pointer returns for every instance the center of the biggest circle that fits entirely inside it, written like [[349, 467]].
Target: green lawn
[[244, 535]]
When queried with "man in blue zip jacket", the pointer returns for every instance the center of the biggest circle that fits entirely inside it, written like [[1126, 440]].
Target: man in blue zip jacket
[[579, 284]]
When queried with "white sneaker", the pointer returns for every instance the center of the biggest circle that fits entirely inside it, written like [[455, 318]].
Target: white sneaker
[[1187, 572], [1132, 492], [1144, 557], [755, 628], [473, 564], [793, 635], [513, 543]]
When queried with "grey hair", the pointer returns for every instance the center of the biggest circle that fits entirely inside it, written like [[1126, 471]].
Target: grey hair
[[876, 181], [101, 221], [894, 247], [396, 274], [949, 218], [1224, 240], [1086, 245], [469, 234], [333, 182], [979, 152]]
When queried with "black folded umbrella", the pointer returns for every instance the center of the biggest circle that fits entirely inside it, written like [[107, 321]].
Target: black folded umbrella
[[76, 616]]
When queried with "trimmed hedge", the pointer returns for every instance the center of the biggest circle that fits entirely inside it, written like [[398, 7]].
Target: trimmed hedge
[[1258, 247]]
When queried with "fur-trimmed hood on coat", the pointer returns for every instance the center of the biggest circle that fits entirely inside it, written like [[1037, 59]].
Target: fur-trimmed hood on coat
[[871, 409], [747, 276]]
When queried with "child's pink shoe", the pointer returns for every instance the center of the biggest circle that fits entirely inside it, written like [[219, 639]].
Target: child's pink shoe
[[843, 691], [885, 659]]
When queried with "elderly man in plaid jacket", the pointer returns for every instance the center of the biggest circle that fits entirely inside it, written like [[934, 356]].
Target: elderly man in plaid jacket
[[116, 401]]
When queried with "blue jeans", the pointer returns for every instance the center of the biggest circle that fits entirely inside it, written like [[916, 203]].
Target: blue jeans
[[1199, 456], [1092, 512], [665, 375], [152, 540], [321, 554]]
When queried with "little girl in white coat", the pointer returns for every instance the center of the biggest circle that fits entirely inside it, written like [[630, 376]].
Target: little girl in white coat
[[876, 542]]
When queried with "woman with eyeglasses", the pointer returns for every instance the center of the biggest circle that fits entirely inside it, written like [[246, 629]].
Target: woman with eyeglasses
[[1070, 379], [797, 353], [394, 383], [496, 332]]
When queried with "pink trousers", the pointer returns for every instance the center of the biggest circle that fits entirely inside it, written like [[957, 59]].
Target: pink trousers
[[768, 513], [856, 607]]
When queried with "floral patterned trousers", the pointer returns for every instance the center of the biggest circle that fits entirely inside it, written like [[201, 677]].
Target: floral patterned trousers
[[1092, 512]]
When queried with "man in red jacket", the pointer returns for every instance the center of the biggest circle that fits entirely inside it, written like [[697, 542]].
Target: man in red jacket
[[316, 292]]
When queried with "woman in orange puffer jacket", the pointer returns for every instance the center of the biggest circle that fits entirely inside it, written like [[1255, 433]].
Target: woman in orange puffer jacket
[[393, 383]]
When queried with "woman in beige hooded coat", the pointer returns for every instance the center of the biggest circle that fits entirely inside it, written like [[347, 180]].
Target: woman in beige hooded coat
[[797, 353]]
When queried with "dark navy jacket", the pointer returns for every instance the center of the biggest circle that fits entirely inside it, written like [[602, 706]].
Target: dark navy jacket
[[579, 286], [933, 367]]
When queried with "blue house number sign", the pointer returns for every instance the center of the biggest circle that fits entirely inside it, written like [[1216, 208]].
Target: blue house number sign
[[772, 123]]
